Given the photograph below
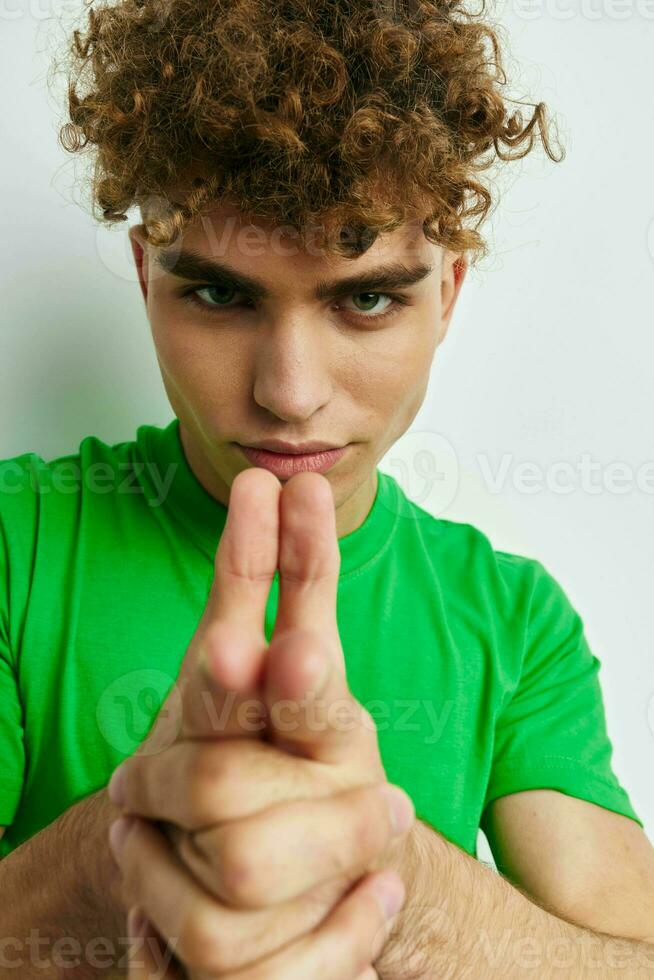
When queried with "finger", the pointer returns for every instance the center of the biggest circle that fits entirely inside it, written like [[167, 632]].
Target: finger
[[230, 643], [218, 781], [311, 710], [247, 554], [154, 878], [349, 940], [290, 848], [205, 935], [222, 698], [148, 959], [309, 559]]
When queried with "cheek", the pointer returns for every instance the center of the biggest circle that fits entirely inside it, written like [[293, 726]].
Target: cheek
[[394, 379], [192, 361]]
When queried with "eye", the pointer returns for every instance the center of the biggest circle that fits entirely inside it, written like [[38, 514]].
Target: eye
[[222, 293], [368, 303], [221, 297]]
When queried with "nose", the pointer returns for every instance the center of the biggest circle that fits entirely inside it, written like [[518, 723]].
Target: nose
[[292, 376]]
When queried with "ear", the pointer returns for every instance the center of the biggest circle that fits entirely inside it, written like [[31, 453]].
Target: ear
[[140, 253], [453, 272]]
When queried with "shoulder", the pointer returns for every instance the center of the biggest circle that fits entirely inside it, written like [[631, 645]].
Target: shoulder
[[29, 481], [513, 599], [43, 500], [465, 558]]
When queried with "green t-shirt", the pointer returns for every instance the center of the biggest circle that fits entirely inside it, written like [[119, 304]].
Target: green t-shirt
[[472, 661]]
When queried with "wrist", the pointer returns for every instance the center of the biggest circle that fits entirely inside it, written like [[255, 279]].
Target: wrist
[[421, 927], [101, 884]]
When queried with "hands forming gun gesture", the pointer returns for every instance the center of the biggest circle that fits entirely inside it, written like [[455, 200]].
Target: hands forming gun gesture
[[258, 813]]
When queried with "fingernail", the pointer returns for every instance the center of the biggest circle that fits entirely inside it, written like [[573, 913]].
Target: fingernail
[[116, 787], [118, 832], [390, 894], [400, 807]]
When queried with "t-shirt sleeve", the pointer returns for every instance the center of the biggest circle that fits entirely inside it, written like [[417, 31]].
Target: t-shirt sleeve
[[12, 745], [552, 733], [12, 760]]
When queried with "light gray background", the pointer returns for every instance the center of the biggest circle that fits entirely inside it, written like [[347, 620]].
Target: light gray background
[[549, 359]]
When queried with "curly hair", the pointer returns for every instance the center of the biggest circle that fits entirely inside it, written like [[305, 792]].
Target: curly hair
[[302, 111]]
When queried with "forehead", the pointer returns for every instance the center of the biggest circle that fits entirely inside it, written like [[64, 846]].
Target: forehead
[[248, 241]]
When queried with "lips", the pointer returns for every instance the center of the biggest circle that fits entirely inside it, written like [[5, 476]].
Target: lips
[[289, 449], [285, 465]]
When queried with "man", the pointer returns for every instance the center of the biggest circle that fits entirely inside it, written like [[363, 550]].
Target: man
[[258, 837]]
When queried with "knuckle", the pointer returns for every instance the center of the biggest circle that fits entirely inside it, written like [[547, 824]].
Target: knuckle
[[147, 792], [322, 898], [214, 634], [369, 823], [222, 763], [189, 851], [195, 799], [195, 764], [367, 721], [206, 778], [340, 861], [134, 772], [241, 874], [200, 944], [225, 954]]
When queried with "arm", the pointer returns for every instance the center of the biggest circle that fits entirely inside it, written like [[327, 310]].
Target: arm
[[590, 865], [463, 918], [61, 899]]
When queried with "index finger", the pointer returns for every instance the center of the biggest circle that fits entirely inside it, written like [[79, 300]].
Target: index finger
[[309, 560], [247, 554], [222, 669]]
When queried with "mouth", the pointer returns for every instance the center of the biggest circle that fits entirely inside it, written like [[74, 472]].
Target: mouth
[[284, 464]]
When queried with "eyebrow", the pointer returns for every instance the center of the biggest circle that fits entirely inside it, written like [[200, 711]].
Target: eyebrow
[[188, 264]]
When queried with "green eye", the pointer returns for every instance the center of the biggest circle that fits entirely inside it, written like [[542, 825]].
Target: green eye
[[369, 303], [220, 297], [221, 291]]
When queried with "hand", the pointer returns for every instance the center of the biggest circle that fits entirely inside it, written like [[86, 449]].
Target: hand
[[355, 923], [220, 780]]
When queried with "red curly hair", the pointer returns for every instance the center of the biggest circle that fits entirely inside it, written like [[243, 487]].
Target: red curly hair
[[302, 111]]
